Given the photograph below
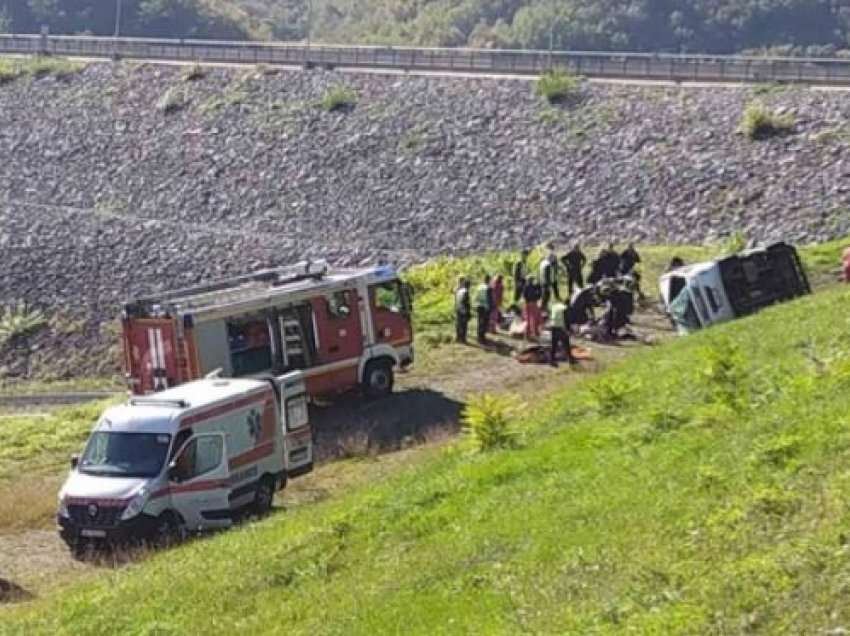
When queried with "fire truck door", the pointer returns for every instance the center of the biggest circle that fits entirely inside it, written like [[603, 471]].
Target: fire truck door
[[339, 323], [151, 352]]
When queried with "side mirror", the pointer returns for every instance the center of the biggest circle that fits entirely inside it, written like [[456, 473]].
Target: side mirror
[[173, 473], [75, 461]]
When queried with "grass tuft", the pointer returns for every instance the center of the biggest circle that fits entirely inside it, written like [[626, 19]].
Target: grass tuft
[[12, 69], [20, 321], [338, 98], [488, 421], [557, 85], [759, 122]]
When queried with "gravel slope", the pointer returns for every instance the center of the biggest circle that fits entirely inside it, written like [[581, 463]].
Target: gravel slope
[[104, 195]]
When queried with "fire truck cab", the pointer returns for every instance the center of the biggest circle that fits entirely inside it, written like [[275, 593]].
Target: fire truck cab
[[342, 328]]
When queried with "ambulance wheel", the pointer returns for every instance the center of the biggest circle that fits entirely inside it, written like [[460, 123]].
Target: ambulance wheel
[[378, 379], [264, 496], [166, 531]]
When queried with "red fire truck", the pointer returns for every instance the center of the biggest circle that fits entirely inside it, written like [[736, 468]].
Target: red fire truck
[[343, 328]]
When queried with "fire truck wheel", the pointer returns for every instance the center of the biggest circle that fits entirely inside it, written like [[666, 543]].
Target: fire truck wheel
[[264, 496], [378, 379]]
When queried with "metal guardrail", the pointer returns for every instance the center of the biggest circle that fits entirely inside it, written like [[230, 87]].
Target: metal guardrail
[[645, 66]]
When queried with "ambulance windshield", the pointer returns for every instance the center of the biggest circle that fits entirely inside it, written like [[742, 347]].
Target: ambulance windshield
[[125, 454]]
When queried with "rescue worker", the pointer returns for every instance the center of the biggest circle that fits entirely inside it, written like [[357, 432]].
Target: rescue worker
[[574, 262], [675, 263], [520, 275], [581, 306], [549, 279], [483, 306], [531, 311], [497, 292], [560, 326], [621, 306], [628, 259], [609, 262], [462, 309]]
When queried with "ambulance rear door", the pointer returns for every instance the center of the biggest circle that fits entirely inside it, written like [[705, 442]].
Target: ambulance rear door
[[297, 432]]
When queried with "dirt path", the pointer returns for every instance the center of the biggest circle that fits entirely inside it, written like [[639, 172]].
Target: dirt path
[[425, 407]]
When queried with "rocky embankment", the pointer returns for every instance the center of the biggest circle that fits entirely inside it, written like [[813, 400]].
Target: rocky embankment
[[128, 178]]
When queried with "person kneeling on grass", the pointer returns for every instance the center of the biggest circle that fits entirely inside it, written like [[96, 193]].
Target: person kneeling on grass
[[560, 325]]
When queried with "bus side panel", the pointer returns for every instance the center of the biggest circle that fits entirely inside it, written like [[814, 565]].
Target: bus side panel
[[150, 354]]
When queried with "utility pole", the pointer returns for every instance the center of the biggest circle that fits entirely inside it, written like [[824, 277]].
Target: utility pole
[[552, 32], [117, 18]]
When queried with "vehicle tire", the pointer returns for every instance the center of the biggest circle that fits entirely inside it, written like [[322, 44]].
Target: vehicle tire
[[378, 379], [264, 497], [166, 532]]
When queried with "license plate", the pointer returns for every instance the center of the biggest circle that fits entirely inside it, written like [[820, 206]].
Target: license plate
[[93, 534]]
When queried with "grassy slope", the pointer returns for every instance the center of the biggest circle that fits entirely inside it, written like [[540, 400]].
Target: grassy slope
[[700, 488]]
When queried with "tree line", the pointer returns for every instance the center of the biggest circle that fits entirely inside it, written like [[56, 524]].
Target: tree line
[[814, 27], [144, 18]]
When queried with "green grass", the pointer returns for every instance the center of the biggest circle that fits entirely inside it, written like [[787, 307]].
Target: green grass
[[759, 122], [338, 98], [556, 85], [17, 68], [31, 443], [699, 488]]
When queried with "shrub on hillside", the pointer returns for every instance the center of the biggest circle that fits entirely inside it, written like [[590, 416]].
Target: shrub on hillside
[[488, 421], [338, 98], [19, 321], [759, 122], [556, 85], [193, 73], [172, 101]]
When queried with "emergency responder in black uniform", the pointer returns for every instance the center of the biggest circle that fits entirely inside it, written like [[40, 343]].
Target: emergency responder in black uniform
[[462, 310], [628, 259], [609, 262], [581, 306], [621, 306], [574, 261], [520, 275]]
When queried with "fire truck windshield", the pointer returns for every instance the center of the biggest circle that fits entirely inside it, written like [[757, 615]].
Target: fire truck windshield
[[125, 454]]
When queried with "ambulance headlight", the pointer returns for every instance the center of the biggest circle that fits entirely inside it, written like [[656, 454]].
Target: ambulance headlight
[[136, 505], [63, 508]]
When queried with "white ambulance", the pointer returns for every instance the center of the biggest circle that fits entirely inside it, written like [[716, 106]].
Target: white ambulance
[[186, 459]]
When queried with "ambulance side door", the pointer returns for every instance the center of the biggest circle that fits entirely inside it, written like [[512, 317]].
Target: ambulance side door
[[198, 482], [297, 432]]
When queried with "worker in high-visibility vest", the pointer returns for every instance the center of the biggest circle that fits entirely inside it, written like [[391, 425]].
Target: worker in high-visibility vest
[[483, 307], [560, 326], [462, 309]]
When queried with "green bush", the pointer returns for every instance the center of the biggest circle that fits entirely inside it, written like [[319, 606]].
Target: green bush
[[338, 97], [611, 394], [556, 85], [171, 102], [193, 73], [488, 420], [19, 321], [759, 122]]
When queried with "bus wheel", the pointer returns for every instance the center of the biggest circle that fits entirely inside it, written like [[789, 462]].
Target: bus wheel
[[264, 496], [378, 379]]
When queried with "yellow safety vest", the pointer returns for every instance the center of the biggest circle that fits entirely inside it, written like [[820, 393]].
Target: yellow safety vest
[[481, 296], [556, 315]]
